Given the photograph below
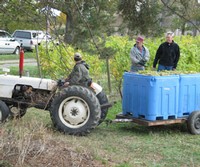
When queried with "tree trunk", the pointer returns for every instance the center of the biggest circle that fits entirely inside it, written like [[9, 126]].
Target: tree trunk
[[68, 38], [183, 29]]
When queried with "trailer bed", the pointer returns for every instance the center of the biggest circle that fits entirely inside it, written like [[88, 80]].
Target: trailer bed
[[140, 121]]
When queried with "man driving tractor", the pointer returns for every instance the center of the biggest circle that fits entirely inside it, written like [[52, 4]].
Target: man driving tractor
[[80, 73]]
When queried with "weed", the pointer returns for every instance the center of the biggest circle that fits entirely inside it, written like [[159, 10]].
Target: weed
[[32, 140]]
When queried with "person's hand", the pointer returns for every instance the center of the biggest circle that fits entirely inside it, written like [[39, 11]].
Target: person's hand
[[142, 62], [60, 82]]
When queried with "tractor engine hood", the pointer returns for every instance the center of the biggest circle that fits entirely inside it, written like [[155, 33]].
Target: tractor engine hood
[[7, 83]]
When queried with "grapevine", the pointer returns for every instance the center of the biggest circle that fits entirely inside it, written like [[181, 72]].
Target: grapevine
[[165, 72], [59, 61]]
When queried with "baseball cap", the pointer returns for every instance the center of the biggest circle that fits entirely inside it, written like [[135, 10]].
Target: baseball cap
[[170, 33], [77, 56], [139, 39]]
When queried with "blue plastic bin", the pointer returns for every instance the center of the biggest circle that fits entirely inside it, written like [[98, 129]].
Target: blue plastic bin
[[150, 97], [189, 98]]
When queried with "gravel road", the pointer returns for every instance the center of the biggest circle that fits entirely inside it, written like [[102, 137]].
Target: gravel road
[[9, 63]]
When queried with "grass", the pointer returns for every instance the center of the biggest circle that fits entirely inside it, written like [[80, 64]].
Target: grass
[[16, 57], [115, 144], [32, 70], [14, 70]]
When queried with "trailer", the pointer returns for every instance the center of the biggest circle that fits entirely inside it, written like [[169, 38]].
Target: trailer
[[161, 100]]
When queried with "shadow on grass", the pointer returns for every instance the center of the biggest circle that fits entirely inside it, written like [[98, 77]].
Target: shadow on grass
[[161, 129], [132, 128]]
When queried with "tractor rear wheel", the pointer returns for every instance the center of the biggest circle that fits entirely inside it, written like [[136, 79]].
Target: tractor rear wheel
[[75, 110], [103, 100]]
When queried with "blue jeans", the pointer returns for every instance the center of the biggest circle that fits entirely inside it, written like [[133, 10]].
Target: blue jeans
[[161, 67]]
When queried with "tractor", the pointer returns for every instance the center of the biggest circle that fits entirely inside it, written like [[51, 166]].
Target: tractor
[[74, 109]]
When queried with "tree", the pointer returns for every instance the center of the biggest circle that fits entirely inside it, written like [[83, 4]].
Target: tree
[[84, 18], [16, 14], [141, 16], [186, 13]]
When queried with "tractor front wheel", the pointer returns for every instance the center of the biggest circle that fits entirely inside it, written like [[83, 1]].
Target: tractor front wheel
[[4, 111]]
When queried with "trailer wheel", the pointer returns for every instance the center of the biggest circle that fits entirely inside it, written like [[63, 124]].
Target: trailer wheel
[[193, 123], [75, 110], [103, 100], [4, 111]]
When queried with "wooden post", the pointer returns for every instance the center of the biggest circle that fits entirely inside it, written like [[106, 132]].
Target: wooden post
[[108, 74], [38, 61]]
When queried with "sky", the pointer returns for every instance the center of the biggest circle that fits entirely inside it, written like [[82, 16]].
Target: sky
[[55, 12]]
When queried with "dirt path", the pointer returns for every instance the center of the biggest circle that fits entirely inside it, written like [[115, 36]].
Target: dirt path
[[9, 63]]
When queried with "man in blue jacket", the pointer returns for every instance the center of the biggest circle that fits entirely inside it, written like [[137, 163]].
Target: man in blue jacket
[[168, 54]]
